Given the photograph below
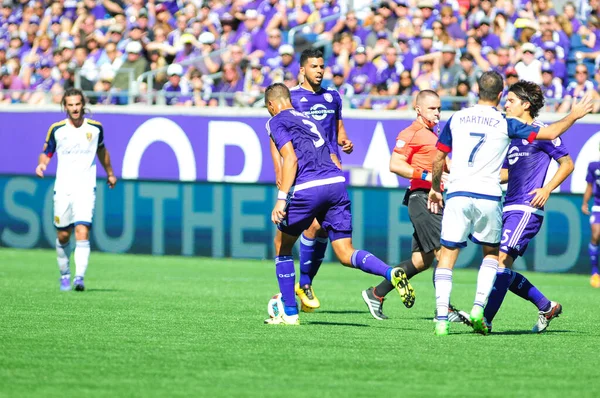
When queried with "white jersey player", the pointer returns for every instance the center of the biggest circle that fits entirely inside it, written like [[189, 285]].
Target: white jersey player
[[479, 138], [76, 141]]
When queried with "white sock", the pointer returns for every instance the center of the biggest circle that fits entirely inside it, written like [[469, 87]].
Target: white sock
[[485, 280], [443, 288], [63, 253], [82, 256]]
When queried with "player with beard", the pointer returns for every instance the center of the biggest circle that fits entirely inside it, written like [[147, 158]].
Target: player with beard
[[325, 107], [76, 140]]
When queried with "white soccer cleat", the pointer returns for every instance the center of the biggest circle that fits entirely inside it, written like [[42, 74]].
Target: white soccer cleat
[[544, 318], [282, 319]]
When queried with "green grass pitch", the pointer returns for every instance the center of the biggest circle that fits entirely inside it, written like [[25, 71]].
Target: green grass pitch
[[172, 326]]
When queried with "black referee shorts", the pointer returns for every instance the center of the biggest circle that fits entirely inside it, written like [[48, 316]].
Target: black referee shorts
[[427, 226]]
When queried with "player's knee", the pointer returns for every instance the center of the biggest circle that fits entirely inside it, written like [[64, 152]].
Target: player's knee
[[82, 232], [343, 251], [63, 236]]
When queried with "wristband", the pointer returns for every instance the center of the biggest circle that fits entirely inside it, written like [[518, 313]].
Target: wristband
[[417, 173], [424, 175], [282, 195]]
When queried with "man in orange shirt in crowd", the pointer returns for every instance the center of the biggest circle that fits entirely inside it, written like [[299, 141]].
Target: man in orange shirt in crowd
[[413, 158]]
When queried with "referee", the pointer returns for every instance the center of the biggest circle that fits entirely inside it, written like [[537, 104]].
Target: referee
[[413, 158]]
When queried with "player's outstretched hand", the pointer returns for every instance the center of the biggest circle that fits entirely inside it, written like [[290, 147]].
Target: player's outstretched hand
[[540, 198], [39, 170], [585, 209], [583, 107], [278, 213], [435, 202], [347, 146], [111, 181]]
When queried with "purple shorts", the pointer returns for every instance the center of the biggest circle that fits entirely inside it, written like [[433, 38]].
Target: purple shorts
[[329, 204], [518, 228], [595, 218]]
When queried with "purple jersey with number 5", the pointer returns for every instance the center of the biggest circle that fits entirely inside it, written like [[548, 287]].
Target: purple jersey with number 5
[[312, 149], [527, 165]]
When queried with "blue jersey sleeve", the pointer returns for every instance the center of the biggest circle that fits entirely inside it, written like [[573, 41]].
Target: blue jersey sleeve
[[590, 174], [518, 129], [278, 132], [100, 136], [445, 139], [554, 148], [50, 144]]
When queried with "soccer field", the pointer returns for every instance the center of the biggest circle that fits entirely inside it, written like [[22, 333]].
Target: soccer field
[[172, 326]]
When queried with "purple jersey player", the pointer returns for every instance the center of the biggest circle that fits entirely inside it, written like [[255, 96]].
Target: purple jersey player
[[323, 107], [525, 169], [312, 186], [593, 189]]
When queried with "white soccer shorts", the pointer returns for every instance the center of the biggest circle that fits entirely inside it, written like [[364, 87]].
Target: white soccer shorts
[[467, 217], [74, 208]]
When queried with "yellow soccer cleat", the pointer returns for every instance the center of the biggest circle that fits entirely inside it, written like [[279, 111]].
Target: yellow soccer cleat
[[285, 320], [309, 302], [595, 280], [403, 286]]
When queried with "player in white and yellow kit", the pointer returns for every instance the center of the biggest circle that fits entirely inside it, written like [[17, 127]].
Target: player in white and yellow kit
[[479, 137], [76, 141]]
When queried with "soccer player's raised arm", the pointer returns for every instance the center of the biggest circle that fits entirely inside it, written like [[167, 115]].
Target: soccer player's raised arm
[[104, 158], [578, 110], [276, 163], [542, 194]]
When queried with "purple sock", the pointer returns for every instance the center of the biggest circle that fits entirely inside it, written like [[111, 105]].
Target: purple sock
[[524, 289], [370, 264], [503, 279], [318, 255], [286, 277], [593, 252], [307, 250]]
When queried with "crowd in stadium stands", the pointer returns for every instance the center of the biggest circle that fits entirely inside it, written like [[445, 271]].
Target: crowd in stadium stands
[[226, 52]]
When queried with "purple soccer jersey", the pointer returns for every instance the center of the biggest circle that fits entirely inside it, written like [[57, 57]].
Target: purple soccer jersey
[[324, 106], [319, 190], [527, 165], [593, 177]]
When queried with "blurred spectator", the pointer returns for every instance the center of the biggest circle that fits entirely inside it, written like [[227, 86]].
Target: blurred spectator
[[452, 27], [133, 66], [569, 11], [111, 58], [578, 88], [339, 82], [529, 68], [353, 27], [287, 64], [362, 73], [9, 80], [104, 88], [177, 90], [488, 40], [449, 71], [270, 56], [255, 84], [426, 7], [407, 90], [378, 31], [291, 14], [470, 71], [39, 80], [231, 84], [209, 63], [426, 72], [389, 74], [201, 89], [463, 89], [551, 87], [559, 68], [379, 99]]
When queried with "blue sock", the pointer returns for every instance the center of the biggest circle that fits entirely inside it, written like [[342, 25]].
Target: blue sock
[[318, 255], [525, 289], [503, 279], [370, 264], [286, 277], [307, 250], [593, 252]]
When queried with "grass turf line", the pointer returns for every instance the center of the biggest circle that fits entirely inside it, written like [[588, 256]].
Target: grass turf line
[[173, 326]]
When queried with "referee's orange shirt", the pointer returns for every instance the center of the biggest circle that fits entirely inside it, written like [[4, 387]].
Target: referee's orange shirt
[[417, 143]]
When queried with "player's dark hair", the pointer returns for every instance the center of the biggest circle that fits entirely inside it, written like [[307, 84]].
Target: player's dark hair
[[71, 92], [491, 85], [425, 94], [529, 92], [276, 90], [310, 53]]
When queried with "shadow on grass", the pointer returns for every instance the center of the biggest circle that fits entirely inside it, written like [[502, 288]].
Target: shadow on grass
[[100, 290], [521, 332], [321, 323], [342, 312]]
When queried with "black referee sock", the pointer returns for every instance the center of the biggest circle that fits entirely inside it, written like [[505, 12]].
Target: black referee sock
[[386, 286]]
